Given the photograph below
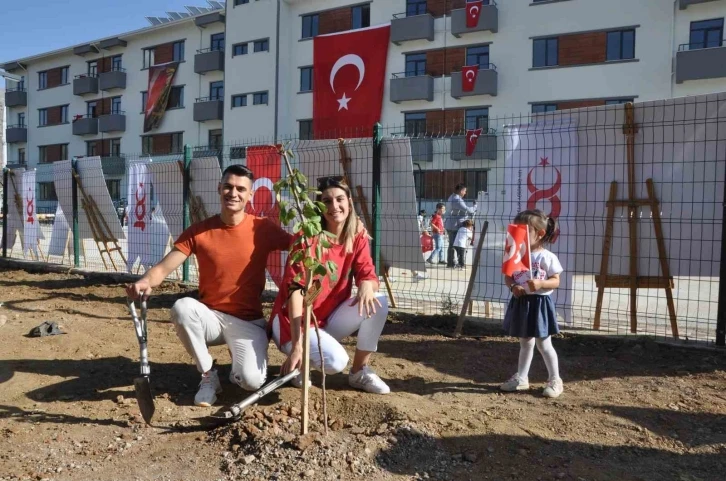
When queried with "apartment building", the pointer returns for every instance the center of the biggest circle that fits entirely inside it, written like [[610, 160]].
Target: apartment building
[[247, 73]]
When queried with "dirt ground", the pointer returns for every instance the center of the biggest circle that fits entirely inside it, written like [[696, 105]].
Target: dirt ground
[[631, 410]]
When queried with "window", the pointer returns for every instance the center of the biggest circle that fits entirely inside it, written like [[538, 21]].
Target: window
[[477, 119], [306, 129], [21, 156], [116, 105], [259, 98], [240, 2], [706, 34], [177, 143], [114, 188], [239, 101], [216, 90], [217, 41], [147, 144], [415, 64], [42, 154], [149, 57], [178, 51], [21, 119], [115, 147], [239, 49], [262, 45], [63, 148], [310, 25], [545, 52], [20, 86], [478, 56], [91, 108], [361, 16], [91, 148], [176, 98], [215, 139], [542, 108], [92, 68], [619, 101], [64, 114], [621, 45], [415, 7], [116, 64], [415, 124], [46, 191], [64, 75], [144, 98], [42, 80], [306, 79], [42, 117]]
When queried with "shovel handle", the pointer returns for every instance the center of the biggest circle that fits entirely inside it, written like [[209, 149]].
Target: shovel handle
[[237, 409], [139, 323]]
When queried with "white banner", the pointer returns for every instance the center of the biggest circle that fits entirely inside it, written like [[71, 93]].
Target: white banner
[[60, 236], [15, 206], [158, 237], [139, 215], [540, 173], [30, 214], [205, 176], [166, 177]]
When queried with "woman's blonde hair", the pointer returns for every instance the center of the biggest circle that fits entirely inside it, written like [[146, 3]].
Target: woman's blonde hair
[[350, 227]]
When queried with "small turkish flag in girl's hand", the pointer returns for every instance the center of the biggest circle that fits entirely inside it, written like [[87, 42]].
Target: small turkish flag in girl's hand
[[517, 256]]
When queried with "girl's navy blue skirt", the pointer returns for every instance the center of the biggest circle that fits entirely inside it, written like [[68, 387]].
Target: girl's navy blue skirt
[[531, 316]]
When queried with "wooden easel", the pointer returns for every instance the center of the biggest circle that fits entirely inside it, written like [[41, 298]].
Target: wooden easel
[[100, 230], [633, 281], [359, 199]]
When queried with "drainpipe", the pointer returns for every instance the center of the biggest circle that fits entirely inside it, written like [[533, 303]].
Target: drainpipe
[[277, 72], [673, 48]]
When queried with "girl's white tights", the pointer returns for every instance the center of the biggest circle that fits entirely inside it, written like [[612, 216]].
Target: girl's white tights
[[544, 346]]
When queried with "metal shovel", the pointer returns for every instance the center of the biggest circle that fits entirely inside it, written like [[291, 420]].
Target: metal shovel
[[141, 383], [236, 410]]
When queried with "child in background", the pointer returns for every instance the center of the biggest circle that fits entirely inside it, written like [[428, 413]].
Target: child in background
[[531, 312], [464, 238], [437, 229]]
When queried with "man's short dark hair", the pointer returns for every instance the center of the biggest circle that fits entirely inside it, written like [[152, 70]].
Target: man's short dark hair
[[459, 186], [440, 205], [239, 170]]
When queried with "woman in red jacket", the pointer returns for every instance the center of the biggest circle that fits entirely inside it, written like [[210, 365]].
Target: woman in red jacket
[[337, 313]]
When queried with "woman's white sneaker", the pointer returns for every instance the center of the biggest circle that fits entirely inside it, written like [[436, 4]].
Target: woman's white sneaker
[[368, 381], [515, 383], [553, 388], [209, 387]]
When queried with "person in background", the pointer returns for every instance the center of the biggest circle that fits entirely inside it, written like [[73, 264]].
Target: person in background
[[464, 238], [437, 230], [458, 212], [424, 231]]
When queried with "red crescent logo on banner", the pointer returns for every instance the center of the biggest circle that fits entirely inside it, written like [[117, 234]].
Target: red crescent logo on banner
[[30, 209], [140, 209], [545, 194]]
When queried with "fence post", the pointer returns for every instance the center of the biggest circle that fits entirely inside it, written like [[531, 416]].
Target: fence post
[[186, 193], [6, 178], [74, 214], [721, 314], [375, 202]]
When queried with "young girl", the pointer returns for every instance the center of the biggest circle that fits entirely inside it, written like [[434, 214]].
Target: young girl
[[338, 315], [531, 312], [463, 239]]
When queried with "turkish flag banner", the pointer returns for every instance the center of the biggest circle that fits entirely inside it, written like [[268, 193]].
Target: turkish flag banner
[[472, 135], [349, 73], [468, 78], [517, 257], [265, 163], [473, 12]]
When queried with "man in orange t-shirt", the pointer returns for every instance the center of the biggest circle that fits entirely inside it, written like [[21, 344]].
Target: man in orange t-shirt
[[232, 250]]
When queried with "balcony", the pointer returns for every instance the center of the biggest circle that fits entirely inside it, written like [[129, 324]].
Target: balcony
[[85, 84], [207, 60], [416, 27], [696, 63], [422, 149], [486, 148], [420, 87], [85, 125], [488, 20], [683, 4], [16, 133], [16, 97], [486, 83], [114, 122], [115, 79], [208, 109]]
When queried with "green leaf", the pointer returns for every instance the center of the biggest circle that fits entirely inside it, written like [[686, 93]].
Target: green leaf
[[330, 234], [298, 241], [308, 230], [297, 256], [319, 251], [320, 270], [324, 242], [309, 210], [321, 207], [297, 227], [297, 277], [301, 178], [333, 277], [310, 263], [332, 267]]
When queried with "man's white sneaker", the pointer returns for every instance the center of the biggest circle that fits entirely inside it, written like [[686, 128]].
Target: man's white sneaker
[[553, 388], [368, 381], [209, 387], [515, 383]]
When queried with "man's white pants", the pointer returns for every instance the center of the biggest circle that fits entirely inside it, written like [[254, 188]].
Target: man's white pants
[[343, 322], [198, 326]]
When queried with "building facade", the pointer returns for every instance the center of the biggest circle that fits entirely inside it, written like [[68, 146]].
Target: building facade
[[246, 73]]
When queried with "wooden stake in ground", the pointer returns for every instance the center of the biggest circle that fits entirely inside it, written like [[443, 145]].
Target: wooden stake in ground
[[472, 279]]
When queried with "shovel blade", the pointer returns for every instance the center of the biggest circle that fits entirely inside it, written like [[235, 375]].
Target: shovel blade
[[144, 398]]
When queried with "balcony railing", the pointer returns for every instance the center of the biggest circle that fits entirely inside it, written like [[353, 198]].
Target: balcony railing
[[16, 133], [697, 61], [85, 84], [113, 122], [113, 79], [408, 87], [697, 46], [16, 97], [86, 124], [412, 27], [486, 82], [209, 60], [208, 108]]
